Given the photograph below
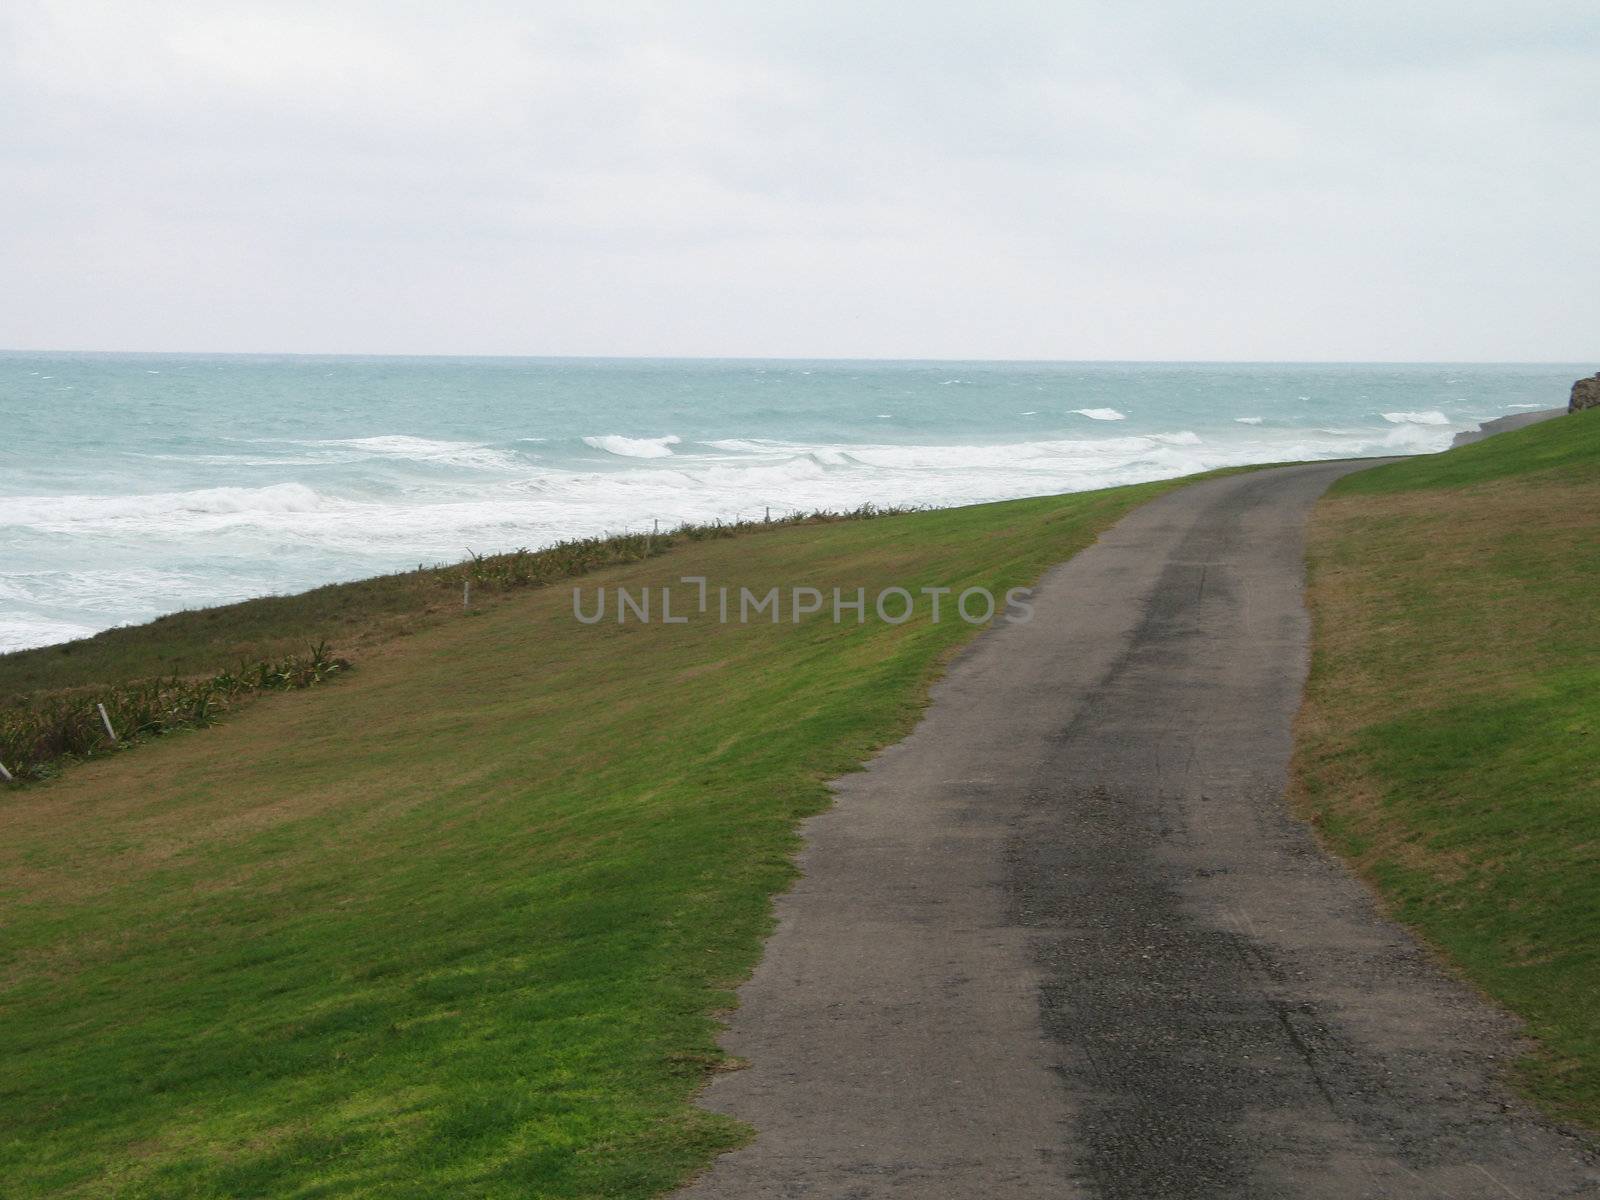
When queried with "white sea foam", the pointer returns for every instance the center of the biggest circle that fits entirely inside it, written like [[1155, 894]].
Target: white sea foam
[[45, 606], [71, 513], [978, 461], [175, 498], [1432, 417], [18, 631], [829, 456], [1525, 406], [472, 455], [1398, 439], [106, 589], [239, 460], [746, 445], [627, 447], [341, 536]]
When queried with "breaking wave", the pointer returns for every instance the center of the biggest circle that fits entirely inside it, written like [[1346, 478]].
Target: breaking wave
[[258, 477], [627, 447], [1433, 417], [65, 512]]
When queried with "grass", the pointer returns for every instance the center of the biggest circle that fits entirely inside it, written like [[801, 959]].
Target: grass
[[165, 675], [197, 642], [1450, 743], [460, 923], [37, 739]]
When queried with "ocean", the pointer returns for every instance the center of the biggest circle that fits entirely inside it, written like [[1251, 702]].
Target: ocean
[[134, 485]]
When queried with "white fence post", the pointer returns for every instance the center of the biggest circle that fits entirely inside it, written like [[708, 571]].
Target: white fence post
[[106, 721], [5, 774]]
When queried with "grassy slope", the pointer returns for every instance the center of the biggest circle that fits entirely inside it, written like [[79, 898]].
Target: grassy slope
[[358, 615], [1451, 739], [457, 925], [203, 641]]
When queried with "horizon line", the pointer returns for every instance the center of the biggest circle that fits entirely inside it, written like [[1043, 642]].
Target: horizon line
[[756, 358]]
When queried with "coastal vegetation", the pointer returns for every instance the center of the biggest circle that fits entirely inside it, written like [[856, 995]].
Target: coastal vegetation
[[37, 738], [57, 694], [1450, 741], [196, 642], [460, 923]]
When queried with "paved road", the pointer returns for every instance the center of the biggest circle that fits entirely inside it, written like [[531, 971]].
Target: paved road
[[1066, 941]]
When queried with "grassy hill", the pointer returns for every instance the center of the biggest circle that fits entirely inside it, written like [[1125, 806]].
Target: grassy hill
[[1450, 743], [459, 922]]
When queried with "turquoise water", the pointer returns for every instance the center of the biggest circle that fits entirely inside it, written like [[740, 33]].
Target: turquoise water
[[132, 485]]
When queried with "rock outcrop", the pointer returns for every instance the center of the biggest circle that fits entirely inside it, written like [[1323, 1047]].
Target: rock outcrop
[[1585, 394]]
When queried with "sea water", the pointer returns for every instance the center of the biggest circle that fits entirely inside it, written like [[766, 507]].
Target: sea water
[[133, 485]]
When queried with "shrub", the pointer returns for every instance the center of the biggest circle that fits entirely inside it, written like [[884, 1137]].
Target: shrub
[[36, 739]]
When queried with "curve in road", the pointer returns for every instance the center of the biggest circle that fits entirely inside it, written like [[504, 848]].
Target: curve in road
[[1066, 940]]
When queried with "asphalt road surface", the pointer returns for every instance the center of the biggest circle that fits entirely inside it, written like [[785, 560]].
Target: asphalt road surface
[[1066, 940]]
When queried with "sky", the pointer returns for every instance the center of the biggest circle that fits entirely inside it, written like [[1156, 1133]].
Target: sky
[[1136, 179]]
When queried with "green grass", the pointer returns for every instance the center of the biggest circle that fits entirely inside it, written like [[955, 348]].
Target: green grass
[[196, 642], [459, 924], [38, 739], [1451, 739], [203, 641], [1566, 449]]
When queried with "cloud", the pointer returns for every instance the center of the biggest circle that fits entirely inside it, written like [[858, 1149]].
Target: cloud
[[1158, 180]]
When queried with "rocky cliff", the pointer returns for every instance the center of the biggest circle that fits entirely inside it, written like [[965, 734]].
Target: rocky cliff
[[1585, 394]]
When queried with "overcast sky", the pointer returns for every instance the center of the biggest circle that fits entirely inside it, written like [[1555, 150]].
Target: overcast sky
[[1234, 179]]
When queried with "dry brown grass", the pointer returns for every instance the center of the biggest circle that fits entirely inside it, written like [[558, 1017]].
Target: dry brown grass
[[1375, 558], [1449, 744]]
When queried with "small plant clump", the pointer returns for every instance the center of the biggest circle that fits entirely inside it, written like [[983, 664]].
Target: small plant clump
[[35, 740]]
